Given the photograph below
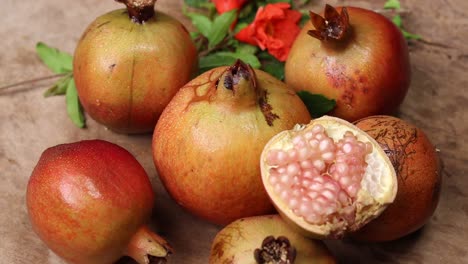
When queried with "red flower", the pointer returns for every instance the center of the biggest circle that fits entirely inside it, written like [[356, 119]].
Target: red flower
[[228, 5], [275, 28]]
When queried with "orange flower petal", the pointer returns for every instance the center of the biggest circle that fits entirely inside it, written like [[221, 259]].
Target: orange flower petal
[[274, 28]]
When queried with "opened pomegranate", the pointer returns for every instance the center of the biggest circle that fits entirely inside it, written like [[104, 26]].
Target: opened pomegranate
[[266, 240], [129, 64], [207, 143], [419, 179], [89, 201], [328, 177], [353, 55]]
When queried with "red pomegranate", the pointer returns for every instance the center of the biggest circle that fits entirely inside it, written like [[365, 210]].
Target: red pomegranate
[[207, 143], [353, 55], [89, 202]]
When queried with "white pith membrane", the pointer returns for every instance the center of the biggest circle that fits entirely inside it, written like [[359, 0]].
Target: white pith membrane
[[328, 177]]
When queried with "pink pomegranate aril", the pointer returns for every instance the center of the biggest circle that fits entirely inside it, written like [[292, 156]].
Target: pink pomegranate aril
[[319, 178]]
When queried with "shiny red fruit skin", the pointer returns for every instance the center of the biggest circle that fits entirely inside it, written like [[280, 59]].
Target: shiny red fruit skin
[[367, 74], [87, 199]]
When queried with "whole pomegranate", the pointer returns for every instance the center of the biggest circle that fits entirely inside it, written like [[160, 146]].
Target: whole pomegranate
[[418, 172], [357, 57], [207, 143], [327, 178], [129, 64], [266, 239], [89, 201]]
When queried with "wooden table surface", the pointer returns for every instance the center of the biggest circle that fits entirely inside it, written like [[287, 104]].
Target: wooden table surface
[[437, 102]]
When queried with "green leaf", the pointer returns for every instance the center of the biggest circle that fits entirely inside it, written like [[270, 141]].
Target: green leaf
[[197, 3], [224, 58], [247, 13], [392, 4], [397, 21], [220, 27], [202, 23], [74, 109], [408, 35], [194, 34], [278, 1], [59, 87], [239, 27], [317, 104], [271, 65], [246, 49], [305, 17], [275, 68], [56, 60]]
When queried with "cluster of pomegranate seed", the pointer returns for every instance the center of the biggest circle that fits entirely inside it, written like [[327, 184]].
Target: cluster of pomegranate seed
[[319, 178]]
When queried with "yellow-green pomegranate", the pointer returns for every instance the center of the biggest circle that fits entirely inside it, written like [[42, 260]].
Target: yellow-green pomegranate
[[266, 239], [207, 143], [129, 64]]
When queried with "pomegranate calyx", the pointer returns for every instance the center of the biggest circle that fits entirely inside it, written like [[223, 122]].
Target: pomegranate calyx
[[332, 26], [275, 251], [146, 247], [234, 74], [240, 87], [139, 11]]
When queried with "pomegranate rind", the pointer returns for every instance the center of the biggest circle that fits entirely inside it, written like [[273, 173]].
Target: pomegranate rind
[[237, 242], [417, 163], [378, 186]]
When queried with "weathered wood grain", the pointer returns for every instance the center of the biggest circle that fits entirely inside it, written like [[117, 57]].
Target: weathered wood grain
[[437, 102]]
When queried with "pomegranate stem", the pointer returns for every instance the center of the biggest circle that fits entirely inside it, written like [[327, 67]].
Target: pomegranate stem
[[148, 247], [139, 11]]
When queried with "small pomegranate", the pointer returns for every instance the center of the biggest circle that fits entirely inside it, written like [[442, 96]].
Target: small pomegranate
[[353, 55], [207, 143], [419, 180], [327, 178], [89, 200], [266, 239], [129, 64]]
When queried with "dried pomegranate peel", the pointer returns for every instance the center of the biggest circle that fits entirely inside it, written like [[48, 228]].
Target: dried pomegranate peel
[[327, 178]]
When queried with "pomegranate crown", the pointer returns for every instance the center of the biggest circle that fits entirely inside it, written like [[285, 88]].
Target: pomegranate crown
[[139, 11], [239, 70], [332, 26]]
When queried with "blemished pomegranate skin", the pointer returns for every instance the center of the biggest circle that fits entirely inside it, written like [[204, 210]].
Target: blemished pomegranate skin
[[207, 143], [418, 169], [367, 70]]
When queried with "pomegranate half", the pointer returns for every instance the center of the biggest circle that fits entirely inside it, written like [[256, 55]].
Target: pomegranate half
[[89, 202], [208, 141], [355, 56], [327, 178]]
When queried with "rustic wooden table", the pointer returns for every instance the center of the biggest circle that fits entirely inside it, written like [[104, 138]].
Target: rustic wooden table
[[437, 102]]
